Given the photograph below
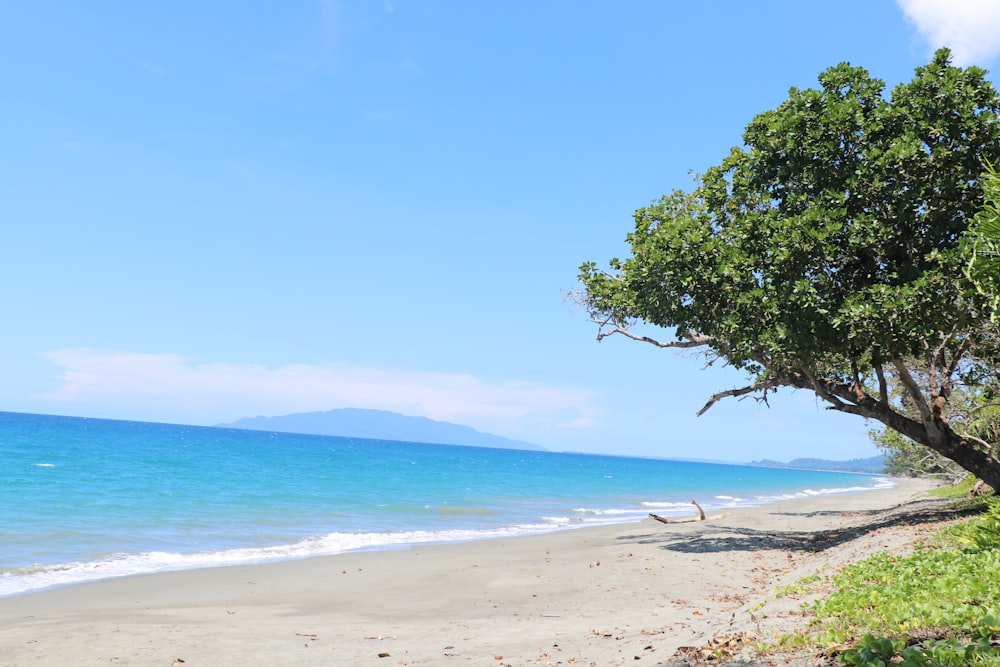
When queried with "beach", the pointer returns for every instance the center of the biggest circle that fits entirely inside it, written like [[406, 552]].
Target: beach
[[608, 595]]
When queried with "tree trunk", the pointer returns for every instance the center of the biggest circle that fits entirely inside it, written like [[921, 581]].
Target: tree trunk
[[936, 434], [969, 456]]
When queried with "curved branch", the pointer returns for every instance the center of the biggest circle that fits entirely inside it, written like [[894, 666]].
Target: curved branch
[[982, 443], [743, 391], [693, 340]]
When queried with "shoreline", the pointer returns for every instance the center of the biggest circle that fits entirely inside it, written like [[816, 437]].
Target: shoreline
[[613, 594], [34, 579]]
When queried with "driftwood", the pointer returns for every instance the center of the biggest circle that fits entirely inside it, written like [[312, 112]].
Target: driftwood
[[701, 516], [979, 489], [701, 512]]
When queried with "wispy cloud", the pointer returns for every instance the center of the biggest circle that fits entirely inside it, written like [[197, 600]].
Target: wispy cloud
[[228, 391], [970, 28]]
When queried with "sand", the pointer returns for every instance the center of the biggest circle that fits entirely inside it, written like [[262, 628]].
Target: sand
[[613, 595]]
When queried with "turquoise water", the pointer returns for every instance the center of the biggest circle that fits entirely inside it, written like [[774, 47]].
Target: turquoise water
[[86, 499]]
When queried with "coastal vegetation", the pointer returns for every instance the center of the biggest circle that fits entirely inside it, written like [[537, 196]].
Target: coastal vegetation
[[939, 605], [975, 403], [841, 250], [982, 244], [906, 458]]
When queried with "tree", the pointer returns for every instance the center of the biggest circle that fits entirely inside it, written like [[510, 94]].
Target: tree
[[982, 244], [824, 254], [908, 458], [905, 458]]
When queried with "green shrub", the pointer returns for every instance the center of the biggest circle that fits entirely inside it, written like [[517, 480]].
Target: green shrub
[[880, 652], [982, 533], [938, 606]]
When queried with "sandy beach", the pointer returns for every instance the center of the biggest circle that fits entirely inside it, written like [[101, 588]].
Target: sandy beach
[[613, 595]]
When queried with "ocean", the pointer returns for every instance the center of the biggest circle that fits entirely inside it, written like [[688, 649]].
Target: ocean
[[87, 499]]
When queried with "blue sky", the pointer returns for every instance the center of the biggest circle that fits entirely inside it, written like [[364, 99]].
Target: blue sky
[[227, 209]]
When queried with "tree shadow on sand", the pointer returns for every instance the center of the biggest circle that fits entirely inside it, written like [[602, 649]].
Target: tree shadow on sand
[[711, 537]]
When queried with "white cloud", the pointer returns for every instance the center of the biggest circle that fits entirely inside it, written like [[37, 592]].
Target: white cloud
[[211, 392], [970, 28]]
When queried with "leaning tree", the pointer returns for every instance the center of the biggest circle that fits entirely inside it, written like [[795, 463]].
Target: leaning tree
[[824, 254]]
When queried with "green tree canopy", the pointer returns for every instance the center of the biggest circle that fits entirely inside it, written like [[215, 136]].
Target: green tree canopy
[[982, 245], [824, 253]]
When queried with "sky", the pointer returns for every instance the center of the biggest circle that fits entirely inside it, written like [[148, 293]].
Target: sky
[[215, 210]]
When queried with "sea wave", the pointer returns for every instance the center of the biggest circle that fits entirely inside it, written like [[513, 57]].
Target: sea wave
[[15, 581], [19, 580]]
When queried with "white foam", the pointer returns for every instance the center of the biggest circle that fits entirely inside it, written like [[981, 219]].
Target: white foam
[[607, 512], [37, 577], [664, 505]]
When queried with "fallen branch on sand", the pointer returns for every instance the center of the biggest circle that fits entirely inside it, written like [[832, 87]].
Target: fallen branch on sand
[[701, 516]]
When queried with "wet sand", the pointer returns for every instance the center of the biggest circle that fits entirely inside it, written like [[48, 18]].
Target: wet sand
[[613, 595]]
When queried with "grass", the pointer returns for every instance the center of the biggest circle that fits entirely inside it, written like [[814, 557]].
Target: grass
[[960, 490], [939, 606]]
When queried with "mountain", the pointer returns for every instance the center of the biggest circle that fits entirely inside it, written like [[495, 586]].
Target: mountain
[[875, 464], [378, 425]]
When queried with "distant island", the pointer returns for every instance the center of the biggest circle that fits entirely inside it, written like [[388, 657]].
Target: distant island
[[378, 425], [874, 464]]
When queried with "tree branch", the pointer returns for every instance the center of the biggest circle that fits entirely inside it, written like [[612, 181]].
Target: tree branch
[[743, 391], [963, 347], [914, 390], [821, 391], [883, 389], [936, 357], [693, 340], [987, 447]]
